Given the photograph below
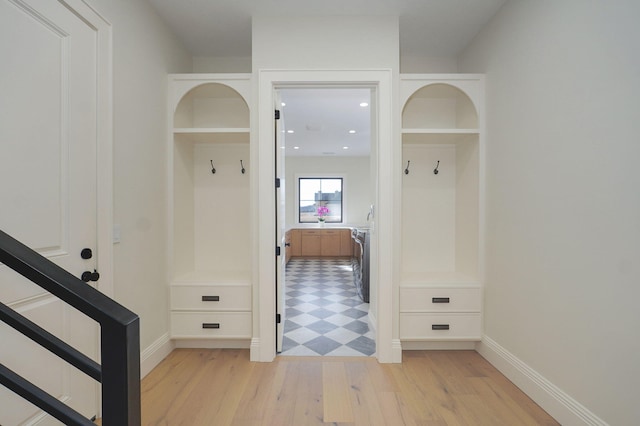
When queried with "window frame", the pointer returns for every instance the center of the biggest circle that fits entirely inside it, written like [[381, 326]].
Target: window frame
[[298, 177]]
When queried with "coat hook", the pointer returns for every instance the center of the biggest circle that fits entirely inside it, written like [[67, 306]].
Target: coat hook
[[406, 171], [213, 169], [435, 171], [242, 169]]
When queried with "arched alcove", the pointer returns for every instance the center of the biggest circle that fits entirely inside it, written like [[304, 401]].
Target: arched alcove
[[439, 106], [440, 270], [211, 105], [209, 181]]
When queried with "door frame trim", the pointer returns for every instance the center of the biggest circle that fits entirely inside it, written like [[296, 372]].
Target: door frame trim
[[262, 153], [104, 139]]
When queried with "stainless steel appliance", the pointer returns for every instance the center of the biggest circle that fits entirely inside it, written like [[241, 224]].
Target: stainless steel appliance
[[360, 262]]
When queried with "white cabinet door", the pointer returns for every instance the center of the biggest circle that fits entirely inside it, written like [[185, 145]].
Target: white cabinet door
[[48, 142]]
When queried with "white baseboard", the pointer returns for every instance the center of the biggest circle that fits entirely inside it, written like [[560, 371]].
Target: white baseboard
[[155, 353], [42, 418], [552, 399], [254, 350], [396, 351]]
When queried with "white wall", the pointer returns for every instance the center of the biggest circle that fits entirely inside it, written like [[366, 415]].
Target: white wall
[[144, 51], [206, 64], [428, 64], [327, 42], [357, 185], [563, 204]]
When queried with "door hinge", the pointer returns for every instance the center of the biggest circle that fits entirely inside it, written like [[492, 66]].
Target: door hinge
[[277, 115], [278, 318], [278, 251], [277, 182]]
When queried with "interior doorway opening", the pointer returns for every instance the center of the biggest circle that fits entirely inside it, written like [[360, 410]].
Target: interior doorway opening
[[326, 163]]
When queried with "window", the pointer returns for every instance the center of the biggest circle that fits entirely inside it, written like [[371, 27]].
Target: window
[[314, 193]]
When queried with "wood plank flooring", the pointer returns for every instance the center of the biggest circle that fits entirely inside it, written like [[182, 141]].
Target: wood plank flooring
[[222, 387]]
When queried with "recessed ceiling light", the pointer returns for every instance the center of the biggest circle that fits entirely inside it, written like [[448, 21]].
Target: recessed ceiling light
[[352, 131], [289, 131], [364, 104], [345, 147], [282, 147], [296, 147], [283, 104]]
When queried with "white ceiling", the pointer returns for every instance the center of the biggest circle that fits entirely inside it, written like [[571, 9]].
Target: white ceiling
[[325, 122], [321, 118], [439, 28]]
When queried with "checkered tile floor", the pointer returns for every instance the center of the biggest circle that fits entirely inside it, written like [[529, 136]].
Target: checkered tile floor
[[324, 316]]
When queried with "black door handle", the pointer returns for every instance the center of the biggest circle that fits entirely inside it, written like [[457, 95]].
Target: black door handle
[[90, 276]]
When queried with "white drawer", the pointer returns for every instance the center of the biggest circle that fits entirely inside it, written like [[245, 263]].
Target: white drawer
[[463, 326], [198, 325], [432, 299], [211, 298]]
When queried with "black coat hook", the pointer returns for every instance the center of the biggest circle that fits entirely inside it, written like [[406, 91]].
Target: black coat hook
[[242, 169], [213, 169], [435, 171], [406, 171]]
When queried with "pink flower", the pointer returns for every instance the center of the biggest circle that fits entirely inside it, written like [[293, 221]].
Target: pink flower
[[323, 211]]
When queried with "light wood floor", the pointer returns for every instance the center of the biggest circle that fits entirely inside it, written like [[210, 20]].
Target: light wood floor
[[222, 387]]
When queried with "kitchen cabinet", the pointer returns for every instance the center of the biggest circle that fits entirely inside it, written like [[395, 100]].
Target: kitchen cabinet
[[209, 178], [346, 243], [291, 244], [310, 242], [442, 199], [287, 245], [323, 242], [330, 243], [296, 244]]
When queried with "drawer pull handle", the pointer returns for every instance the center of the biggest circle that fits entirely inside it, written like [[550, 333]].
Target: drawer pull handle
[[210, 298], [210, 325], [439, 300], [439, 326]]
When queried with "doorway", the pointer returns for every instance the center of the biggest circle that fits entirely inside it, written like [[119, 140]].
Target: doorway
[[323, 139], [263, 346]]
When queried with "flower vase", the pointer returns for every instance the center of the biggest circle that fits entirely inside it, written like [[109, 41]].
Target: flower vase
[[321, 223]]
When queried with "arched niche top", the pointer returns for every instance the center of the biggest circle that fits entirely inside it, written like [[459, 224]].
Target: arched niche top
[[212, 105], [439, 106]]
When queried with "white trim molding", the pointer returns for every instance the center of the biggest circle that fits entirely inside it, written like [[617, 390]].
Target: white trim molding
[[154, 354], [263, 219], [550, 397]]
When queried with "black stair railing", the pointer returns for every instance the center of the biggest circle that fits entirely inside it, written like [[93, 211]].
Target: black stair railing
[[119, 372]]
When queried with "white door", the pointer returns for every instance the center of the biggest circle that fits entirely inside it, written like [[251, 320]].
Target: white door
[[280, 229], [48, 141]]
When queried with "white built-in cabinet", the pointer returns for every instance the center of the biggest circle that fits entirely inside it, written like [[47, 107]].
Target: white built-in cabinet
[[210, 263], [442, 145]]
